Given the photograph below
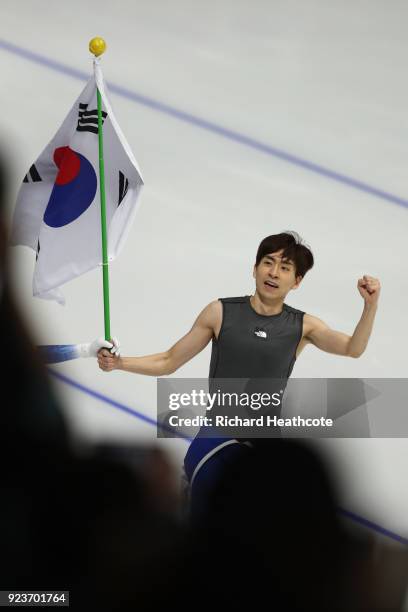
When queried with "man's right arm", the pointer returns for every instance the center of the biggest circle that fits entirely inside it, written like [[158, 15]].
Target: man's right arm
[[162, 364]]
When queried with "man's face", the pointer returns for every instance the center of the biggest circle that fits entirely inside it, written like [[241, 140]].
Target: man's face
[[275, 276]]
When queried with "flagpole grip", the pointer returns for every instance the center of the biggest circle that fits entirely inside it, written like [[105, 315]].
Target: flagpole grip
[[105, 264]]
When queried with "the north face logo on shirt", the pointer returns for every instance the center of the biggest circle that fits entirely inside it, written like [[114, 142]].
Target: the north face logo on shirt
[[261, 333]]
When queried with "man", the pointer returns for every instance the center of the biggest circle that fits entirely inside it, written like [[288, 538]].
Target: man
[[256, 336]]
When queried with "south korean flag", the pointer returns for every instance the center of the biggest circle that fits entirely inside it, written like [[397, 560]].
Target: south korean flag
[[58, 206]]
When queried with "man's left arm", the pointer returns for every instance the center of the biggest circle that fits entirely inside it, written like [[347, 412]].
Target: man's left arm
[[338, 343]]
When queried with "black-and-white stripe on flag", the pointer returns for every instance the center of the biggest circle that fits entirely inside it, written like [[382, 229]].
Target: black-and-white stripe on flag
[[88, 119], [123, 186], [32, 176]]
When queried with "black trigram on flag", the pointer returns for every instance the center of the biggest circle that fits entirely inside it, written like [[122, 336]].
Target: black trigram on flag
[[32, 176], [123, 186], [88, 119], [38, 250]]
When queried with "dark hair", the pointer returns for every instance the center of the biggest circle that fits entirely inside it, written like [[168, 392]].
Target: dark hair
[[294, 249]]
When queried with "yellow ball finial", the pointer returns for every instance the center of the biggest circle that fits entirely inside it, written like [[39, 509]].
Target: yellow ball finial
[[97, 46]]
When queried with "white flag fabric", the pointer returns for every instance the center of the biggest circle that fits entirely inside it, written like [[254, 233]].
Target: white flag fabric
[[58, 206]]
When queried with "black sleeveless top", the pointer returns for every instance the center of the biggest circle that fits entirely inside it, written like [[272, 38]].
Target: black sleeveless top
[[251, 345]]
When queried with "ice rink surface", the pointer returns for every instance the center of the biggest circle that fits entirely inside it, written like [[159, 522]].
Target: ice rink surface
[[247, 118]]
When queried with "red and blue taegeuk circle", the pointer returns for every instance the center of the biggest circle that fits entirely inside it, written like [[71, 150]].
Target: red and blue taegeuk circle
[[74, 188]]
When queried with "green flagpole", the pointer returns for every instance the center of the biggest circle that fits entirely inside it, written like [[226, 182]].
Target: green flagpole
[[97, 46]]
